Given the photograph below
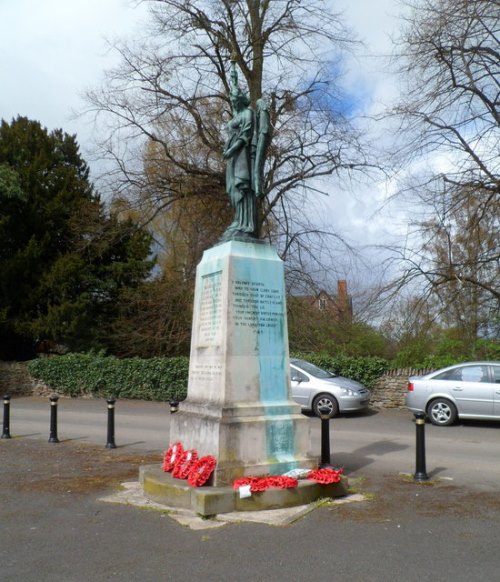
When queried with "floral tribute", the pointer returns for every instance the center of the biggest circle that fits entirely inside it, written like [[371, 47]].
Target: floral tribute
[[172, 456], [322, 476], [200, 472], [264, 483], [185, 464], [325, 476]]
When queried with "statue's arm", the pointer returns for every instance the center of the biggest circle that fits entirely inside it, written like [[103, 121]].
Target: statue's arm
[[246, 127], [233, 148], [244, 136]]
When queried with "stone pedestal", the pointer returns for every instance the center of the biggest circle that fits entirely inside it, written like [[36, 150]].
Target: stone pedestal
[[238, 406]]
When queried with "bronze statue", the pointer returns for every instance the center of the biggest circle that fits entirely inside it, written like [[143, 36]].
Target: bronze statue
[[245, 151]]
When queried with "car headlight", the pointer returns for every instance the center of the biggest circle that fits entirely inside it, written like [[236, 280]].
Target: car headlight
[[349, 392]]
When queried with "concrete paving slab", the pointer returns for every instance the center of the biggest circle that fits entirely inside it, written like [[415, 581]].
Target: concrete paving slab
[[132, 494]]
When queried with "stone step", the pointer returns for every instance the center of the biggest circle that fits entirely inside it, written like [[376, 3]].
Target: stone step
[[161, 487]]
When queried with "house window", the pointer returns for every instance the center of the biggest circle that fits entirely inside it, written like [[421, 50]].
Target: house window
[[322, 304]]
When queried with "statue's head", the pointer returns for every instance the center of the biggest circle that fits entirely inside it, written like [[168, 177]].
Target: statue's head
[[239, 100]]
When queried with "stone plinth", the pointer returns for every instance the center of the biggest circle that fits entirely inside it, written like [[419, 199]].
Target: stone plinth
[[163, 488], [238, 406]]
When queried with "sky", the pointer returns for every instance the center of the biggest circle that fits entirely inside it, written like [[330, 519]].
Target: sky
[[52, 50]]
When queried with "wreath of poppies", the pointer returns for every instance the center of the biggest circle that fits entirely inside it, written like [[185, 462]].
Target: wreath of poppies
[[259, 484], [256, 483], [172, 456], [184, 464], [325, 476], [201, 471], [263, 483]]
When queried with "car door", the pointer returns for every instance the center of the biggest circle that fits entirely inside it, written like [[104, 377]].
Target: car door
[[473, 390], [495, 376], [301, 387]]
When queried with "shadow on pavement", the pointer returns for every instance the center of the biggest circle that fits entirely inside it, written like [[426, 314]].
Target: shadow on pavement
[[365, 455], [130, 444], [71, 439], [437, 471]]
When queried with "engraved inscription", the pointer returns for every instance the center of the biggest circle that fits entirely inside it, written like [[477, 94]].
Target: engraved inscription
[[210, 316], [205, 373], [257, 306]]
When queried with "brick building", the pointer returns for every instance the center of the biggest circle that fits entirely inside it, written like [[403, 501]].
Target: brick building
[[338, 306]]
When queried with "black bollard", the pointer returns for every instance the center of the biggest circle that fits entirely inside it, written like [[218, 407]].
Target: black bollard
[[53, 418], [324, 414], [420, 471], [111, 424], [6, 417], [174, 406]]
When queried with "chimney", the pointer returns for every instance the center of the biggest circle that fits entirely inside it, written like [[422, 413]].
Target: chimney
[[342, 292], [344, 303]]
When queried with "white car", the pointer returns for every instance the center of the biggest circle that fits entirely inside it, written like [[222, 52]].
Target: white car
[[314, 388]]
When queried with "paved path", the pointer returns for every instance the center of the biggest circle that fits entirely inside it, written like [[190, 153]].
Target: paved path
[[53, 526], [139, 425]]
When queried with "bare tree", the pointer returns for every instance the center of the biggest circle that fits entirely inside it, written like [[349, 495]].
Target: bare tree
[[171, 90], [453, 260], [450, 59], [449, 56]]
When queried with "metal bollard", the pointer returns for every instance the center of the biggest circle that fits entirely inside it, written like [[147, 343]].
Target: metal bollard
[[325, 463], [420, 470], [174, 406], [6, 417], [53, 418], [110, 444]]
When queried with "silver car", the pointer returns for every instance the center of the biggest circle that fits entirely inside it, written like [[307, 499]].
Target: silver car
[[314, 388], [469, 390]]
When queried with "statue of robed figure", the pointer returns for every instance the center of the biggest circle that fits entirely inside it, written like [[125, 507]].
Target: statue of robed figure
[[245, 152]]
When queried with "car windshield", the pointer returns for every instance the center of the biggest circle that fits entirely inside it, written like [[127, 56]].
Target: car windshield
[[312, 369]]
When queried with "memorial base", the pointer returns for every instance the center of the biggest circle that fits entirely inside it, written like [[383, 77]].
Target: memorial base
[[246, 438], [238, 407], [206, 501]]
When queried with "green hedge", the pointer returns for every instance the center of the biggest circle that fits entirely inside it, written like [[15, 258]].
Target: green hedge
[[98, 375], [161, 379], [366, 370]]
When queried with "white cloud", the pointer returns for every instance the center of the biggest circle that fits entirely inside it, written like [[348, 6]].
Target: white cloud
[[52, 50]]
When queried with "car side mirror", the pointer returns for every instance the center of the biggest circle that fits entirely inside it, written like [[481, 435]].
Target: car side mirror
[[296, 379]]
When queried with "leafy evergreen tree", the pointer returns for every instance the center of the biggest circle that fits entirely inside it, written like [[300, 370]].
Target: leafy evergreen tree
[[63, 260]]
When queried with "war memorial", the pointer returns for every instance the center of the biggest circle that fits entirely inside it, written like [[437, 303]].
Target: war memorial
[[238, 413]]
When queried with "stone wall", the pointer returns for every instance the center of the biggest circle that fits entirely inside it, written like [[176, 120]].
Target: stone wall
[[390, 389], [15, 380]]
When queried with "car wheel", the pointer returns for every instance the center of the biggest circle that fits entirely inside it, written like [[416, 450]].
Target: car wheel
[[325, 400], [442, 412]]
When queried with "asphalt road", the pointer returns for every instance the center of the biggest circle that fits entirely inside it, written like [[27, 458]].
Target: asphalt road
[[380, 442], [53, 526], [384, 443]]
